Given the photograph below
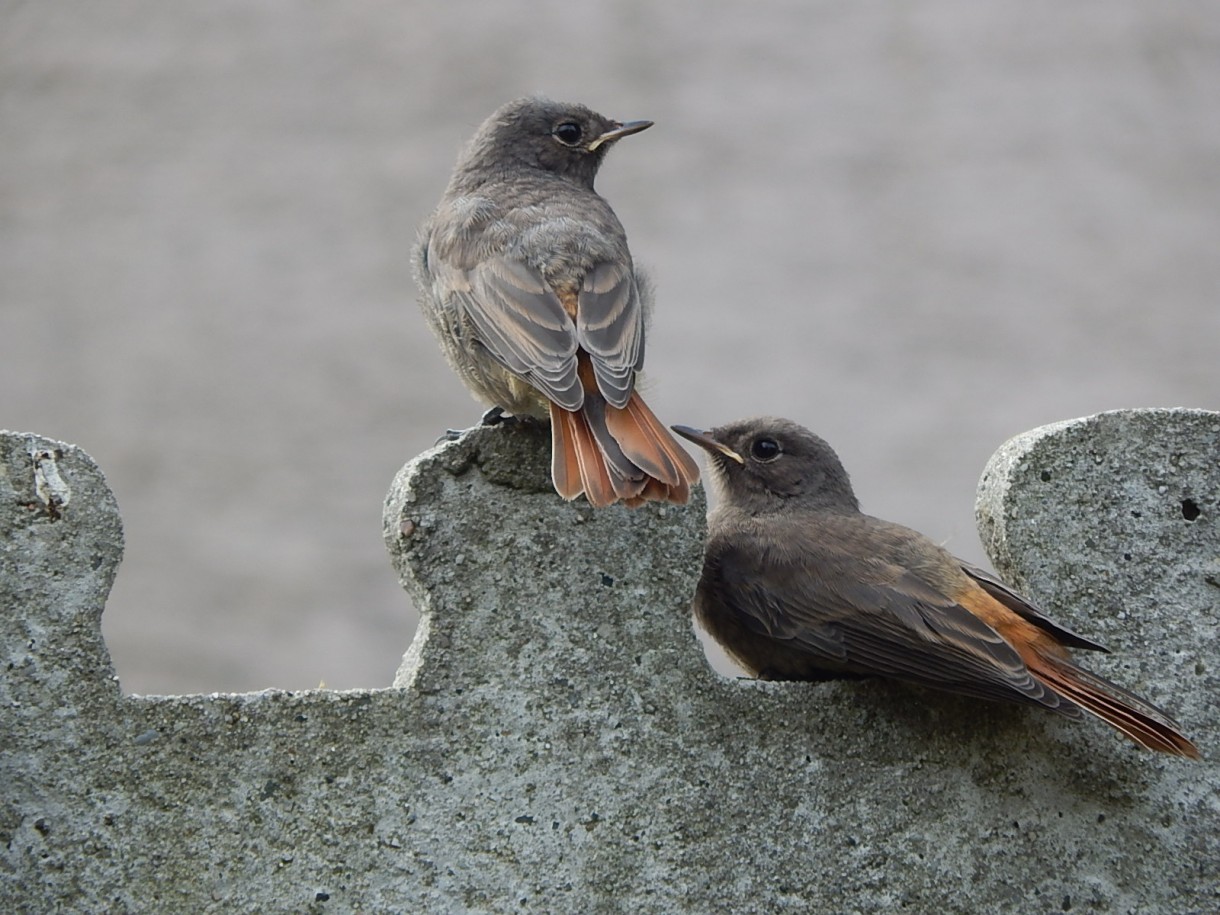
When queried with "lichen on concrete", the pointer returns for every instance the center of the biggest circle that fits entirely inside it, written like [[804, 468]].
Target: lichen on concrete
[[555, 740]]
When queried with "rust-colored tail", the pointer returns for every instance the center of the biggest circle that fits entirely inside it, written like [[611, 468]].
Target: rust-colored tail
[[614, 454], [1141, 721]]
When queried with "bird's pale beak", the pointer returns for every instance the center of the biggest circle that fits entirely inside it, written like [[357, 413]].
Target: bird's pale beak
[[622, 130], [704, 440]]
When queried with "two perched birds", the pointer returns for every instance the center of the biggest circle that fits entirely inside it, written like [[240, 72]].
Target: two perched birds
[[530, 288]]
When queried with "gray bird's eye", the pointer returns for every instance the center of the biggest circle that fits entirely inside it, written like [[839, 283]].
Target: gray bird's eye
[[765, 449], [567, 133]]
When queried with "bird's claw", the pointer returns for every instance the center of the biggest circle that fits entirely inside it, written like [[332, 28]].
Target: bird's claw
[[493, 417], [496, 417]]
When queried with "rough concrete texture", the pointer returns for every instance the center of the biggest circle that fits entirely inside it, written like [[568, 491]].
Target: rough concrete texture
[[556, 741]]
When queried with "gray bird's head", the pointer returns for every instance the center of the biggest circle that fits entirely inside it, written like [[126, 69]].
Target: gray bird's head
[[759, 464], [537, 133]]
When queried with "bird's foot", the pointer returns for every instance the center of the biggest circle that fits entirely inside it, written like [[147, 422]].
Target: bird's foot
[[496, 417], [493, 417]]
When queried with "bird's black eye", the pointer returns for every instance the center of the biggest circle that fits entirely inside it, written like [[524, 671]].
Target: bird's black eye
[[567, 132], [765, 449]]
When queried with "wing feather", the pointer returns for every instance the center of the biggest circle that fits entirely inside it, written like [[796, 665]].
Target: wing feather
[[523, 326], [610, 327], [884, 621]]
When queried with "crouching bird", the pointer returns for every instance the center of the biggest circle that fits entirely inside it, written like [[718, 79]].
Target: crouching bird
[[799, 584], [529, 286]]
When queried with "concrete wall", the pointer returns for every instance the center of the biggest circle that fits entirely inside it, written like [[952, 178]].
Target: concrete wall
[[555, 740]]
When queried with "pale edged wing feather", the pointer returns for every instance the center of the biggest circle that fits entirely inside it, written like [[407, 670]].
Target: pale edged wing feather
[[522, 324], [610, 327]]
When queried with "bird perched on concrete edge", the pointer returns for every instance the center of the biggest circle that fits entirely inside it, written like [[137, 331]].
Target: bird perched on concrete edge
[[799, 584], [529, 286]]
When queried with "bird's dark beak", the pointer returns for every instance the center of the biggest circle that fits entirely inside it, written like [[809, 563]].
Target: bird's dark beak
[[704, 440], [622, 130]]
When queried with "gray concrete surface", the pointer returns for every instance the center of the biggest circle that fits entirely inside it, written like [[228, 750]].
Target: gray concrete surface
[[1114, 520], [556, 741], [917, 229]]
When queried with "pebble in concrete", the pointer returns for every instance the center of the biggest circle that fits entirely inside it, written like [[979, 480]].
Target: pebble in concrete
[[555, 740]]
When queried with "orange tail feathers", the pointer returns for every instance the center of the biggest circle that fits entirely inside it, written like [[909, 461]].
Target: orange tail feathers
[[576, 462], [1141, 721], [652, 447], [616, 454]]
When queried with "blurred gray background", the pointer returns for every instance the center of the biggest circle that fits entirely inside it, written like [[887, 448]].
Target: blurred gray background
[[918, 230]]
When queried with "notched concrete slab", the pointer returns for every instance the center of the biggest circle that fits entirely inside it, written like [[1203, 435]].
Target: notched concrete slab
[[1114, 521], [556, 741]]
